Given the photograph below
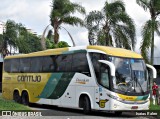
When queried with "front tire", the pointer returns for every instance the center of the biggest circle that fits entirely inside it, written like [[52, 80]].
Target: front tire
[[86, 105], [25, 98]]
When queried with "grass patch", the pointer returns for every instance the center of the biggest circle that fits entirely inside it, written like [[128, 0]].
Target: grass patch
[[11, 105], [154, 107]]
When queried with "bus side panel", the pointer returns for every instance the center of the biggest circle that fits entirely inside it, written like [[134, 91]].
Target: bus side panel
[[56, 87], [10, 84], [36, 86], [85, 85], [6, 86]]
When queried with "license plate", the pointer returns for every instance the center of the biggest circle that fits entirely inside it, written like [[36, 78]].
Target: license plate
[[134, 107]]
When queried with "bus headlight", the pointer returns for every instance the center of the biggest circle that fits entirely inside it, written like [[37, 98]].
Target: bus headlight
[[116, 98]]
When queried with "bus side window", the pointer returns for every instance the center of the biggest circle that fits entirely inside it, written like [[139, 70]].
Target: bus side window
[[80, 63], [25, 65], [7, 65], [48, 64], [64, 63], [36, 64], [15, 65], [104, 77], [95, 57]]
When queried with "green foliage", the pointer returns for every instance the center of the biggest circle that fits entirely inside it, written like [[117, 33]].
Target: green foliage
[[51, 45], [8, 38], [61, 13], [111, 25], [62, 44], [17, 36], [149, 27]]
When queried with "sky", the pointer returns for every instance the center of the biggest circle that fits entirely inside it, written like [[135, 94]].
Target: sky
[[34, 14]]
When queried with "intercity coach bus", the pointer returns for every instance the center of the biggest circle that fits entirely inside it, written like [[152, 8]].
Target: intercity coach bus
[[87, 77]]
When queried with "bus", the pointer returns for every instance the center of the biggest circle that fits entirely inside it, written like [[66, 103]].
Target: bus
[[85, 77]]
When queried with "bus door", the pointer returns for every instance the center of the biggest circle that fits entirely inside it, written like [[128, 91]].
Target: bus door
[[106, 71], [103, 80]]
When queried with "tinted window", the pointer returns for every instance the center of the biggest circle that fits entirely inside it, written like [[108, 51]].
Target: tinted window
[[48, 64], [7, 65], [24, 65], [36, 64], [15, 65], [95, 57], [104, 76], [64, 63], [80, 63]]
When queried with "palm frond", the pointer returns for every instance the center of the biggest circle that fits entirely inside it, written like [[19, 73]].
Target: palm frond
[[127, 26], [144, 3], [73, 21], [93, 19], [113, 8], [79, 8], [146, 41], [121, 39]]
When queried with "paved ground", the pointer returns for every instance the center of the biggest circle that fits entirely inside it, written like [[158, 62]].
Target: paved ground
[[78, 114], [53, 112]]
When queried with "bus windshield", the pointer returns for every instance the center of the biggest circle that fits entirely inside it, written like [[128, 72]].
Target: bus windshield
[[131, 75]]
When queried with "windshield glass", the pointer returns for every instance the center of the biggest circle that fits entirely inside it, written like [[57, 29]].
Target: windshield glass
[[131, 75]]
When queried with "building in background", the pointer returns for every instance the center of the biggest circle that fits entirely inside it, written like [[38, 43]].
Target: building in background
[[2, 27]]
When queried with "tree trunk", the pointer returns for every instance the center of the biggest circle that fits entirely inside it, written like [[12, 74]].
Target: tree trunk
[[152, 41], [56, 35]]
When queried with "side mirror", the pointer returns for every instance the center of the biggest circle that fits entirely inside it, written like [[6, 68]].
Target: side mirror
[[110, 64], [154, 71]]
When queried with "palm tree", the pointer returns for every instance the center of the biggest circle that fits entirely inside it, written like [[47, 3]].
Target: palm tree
[[8, 39], [150, 26], [26, 41], [61, 13], [111, 26]]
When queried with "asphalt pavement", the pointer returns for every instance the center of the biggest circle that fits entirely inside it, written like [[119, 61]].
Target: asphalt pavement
[[78, 114]]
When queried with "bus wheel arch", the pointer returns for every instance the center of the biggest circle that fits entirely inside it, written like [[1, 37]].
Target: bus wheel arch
[[16, 96], [25, 97], [85, 103]]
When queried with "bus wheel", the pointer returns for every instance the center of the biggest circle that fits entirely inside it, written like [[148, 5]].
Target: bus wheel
[[86, 105], [25, 98], [16, 97]]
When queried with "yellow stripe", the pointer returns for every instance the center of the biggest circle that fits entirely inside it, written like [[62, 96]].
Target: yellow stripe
[[120, 52], [41, 53], [129, 98]]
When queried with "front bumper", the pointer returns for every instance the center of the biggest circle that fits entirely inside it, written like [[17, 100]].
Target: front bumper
[[117, 105]]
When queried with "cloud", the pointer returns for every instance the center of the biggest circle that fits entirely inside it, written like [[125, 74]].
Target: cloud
[[91, 4], [34, 14]]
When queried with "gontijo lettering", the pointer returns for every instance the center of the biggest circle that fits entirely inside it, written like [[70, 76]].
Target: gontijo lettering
[[29, 78]]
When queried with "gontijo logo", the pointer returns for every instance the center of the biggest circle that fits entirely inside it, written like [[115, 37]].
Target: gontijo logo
[[29, 78], [82, 81]]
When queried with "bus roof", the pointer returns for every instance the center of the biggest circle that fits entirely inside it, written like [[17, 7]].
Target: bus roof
[[119, 52]]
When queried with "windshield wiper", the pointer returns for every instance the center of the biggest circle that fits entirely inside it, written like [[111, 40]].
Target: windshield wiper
[[138, 82]]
